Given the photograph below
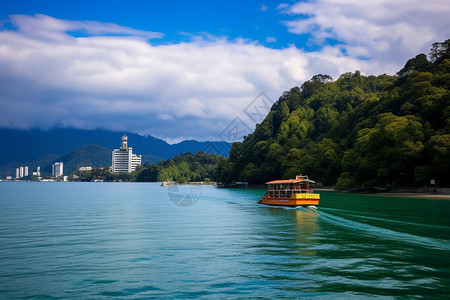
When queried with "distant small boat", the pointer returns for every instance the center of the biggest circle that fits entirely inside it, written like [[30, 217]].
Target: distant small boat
[[292, 192], [167, 183]]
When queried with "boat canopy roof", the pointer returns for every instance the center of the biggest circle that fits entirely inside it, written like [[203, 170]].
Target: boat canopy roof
[[299, 180]]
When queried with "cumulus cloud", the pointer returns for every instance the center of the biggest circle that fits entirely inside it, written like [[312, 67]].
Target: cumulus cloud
[[114, 78], [88, 74], [385, 31]]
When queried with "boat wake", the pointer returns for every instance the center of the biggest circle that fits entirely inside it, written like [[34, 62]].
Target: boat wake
[[425, 242], [300, 207], [350, 213]]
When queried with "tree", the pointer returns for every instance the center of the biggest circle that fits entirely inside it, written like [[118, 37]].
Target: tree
[[308, 88], [439, 148], [182, 180], [321, 78], [440, 51], [420, 64]]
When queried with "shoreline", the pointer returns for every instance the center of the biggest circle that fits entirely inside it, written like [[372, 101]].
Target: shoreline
[[418, 195], [399, 194]]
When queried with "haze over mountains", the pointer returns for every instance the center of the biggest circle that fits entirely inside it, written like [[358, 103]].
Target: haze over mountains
[[76, 147]]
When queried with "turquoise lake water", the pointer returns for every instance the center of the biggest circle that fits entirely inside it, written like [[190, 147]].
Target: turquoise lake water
[[142, 241]]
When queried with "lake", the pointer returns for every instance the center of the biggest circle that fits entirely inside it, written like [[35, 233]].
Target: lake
[[63, 240]]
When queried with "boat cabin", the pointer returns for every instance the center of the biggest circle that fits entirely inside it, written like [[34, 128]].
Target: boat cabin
[[287, 188]]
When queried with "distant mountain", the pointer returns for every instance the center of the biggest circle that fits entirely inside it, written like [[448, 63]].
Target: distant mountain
[[31, 147]]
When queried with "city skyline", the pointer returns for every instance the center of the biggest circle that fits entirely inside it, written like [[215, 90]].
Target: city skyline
[[22, 172]]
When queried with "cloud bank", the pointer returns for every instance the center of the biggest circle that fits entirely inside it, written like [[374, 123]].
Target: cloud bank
[[388, 32], [88, 74]]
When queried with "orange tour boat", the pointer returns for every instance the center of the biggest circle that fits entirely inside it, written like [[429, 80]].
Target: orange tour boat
[[292, 192]]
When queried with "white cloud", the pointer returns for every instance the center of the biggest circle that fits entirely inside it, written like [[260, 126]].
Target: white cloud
[[385, 31], [108, 76], [49, 77], [282, 6]]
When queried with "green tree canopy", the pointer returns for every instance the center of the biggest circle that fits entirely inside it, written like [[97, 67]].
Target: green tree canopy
[[355, 131]]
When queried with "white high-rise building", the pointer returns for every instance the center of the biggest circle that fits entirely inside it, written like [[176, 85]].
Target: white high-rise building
[[17, 173], [21, 172], [57, 169], [123, 159], [25, 172]]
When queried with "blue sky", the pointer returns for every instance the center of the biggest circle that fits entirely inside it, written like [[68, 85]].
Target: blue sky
[[258, 21], [189, 69], [177, 20]]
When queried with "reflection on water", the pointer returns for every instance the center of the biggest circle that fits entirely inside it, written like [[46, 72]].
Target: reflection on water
[[291, 231], [307, 225]]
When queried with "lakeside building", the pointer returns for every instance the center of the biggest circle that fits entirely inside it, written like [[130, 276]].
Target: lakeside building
[[57, 169], [123, 159], [21, 172], [38, 172], [85, 169]]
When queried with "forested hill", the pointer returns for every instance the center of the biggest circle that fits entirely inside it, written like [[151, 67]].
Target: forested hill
[[356, 131], [182, 168]]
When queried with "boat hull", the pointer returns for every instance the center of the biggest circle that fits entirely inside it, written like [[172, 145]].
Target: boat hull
[[303, 200]]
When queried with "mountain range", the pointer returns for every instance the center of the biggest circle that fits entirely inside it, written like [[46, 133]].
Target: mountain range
[[78, 147]]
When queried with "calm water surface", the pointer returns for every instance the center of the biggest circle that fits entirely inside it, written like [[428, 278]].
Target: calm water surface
[[129, 240]]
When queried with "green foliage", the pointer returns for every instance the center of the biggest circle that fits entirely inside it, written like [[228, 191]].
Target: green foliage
[[440, 51], [419, 63], [182, 168], [355, 131], [99, 173], [182, 180]]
